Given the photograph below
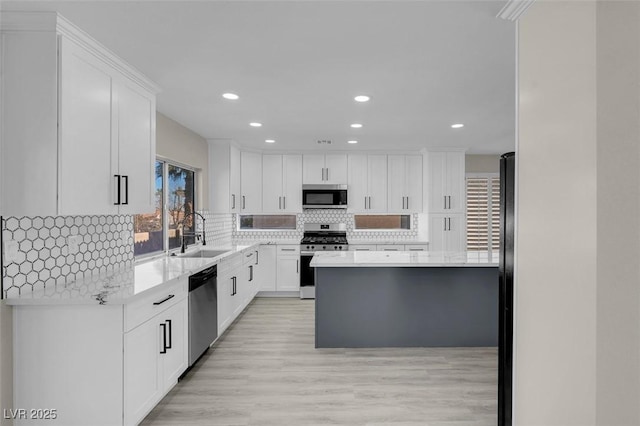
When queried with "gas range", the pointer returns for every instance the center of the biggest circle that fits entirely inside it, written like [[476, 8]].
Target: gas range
[[324, 237]]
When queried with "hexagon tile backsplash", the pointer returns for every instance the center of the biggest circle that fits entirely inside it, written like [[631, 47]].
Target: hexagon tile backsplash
[[43, 257]]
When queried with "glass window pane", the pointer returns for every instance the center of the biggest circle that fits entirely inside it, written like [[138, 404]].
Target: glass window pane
[[147, 228], [390, 221], [279, 221], [180, 205]]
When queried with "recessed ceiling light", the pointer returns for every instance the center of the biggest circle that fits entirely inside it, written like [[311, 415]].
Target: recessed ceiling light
[[352, 141], [457, 126], [362, 98], [356, 125], [231, 96], [270, 141], [255, 124]]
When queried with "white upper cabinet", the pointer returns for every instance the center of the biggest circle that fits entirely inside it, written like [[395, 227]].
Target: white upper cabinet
[[251, 182], [404, 183], [281, 183], [93, 150], [446, 182], [224, 177], [367, 183], [321, 168]]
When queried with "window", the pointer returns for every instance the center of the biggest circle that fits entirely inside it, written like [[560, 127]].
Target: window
[[163, 229], [483, 213], [268, 222], [387, 221]]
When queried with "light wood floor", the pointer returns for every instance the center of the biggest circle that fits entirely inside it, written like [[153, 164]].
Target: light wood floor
[[265, 371]]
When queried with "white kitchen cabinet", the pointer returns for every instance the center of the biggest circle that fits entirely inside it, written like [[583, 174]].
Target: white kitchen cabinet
[[159, 345], [105, 364], [404, 183], [224, 177], [416, 247], [321, 168], [446, 182], [447, 232], [288, 268], [95, 137], [230, 290], [251, 182], [281, 183], [367, 183]]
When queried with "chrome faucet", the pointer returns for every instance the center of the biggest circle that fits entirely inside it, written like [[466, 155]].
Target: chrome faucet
[[204, 238]]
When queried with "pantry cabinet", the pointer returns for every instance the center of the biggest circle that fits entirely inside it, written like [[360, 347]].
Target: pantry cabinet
[[281, 183], [404, 184], [324, 168], [224, 177], [93, 150], [367, 183], [250, 182]]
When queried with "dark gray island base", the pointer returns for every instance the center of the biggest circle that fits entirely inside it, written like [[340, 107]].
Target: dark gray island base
[[371, 307]]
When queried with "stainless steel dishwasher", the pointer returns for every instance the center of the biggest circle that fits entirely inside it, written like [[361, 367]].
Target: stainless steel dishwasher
[[203, 312]]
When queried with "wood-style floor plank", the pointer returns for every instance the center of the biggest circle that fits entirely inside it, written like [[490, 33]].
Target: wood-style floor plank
[[265, 371]]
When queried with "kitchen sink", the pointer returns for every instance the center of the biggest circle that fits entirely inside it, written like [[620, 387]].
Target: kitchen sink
[[205, 253]]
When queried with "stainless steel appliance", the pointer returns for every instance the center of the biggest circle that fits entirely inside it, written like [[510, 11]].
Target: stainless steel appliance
[[203, 312], [324, 196], [318, 237]]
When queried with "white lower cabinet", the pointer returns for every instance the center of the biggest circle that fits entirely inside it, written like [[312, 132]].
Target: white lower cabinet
[[100, 364], [229, 290], [447, 232], [362, 247], [288, 268], [155, 355]]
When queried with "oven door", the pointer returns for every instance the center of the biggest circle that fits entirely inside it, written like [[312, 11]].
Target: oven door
[[307, 276]]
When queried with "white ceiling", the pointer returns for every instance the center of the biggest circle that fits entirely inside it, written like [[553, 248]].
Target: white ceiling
[[298, 64]]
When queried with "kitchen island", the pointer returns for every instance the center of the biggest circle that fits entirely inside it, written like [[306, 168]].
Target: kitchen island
[[405, 299]]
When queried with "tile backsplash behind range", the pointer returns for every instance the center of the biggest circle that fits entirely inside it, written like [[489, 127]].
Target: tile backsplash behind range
[[43, 258]]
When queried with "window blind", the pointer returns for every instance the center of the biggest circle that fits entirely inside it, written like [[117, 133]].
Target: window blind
[[483, 213]]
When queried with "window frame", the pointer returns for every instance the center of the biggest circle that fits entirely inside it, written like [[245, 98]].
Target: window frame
[[489, 176], [166, 162]]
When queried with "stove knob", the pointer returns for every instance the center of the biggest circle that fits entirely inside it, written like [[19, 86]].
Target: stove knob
[[313, 247], [324, 247], [335, 247], [307, 247], [340, 248]]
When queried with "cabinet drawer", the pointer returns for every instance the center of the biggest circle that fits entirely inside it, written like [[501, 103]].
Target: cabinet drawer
[[249, 257], [288, 249], [417, 247], [390, 247], [362, 247], [137, 312]]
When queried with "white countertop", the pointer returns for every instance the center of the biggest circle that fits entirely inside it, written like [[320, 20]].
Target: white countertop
[[369, 241], [385, 259], [123, 286]]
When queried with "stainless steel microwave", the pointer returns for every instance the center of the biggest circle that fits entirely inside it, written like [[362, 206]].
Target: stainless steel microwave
[[324, 196]]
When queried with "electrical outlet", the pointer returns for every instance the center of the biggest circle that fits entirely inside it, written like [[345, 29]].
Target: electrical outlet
[[73, 241], [10, 251]]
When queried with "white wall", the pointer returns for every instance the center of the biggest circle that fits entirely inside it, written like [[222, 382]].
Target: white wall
[[482, 163], [618, 295], [555, 315], [176, 142], [6, 361], [577, 331]]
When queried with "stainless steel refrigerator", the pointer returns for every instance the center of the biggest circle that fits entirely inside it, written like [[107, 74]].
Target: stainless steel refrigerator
[[505, 339]]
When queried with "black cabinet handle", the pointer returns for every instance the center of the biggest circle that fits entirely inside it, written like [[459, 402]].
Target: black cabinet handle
[[233, 292], [284, 203], [243, 203], [297, 266], [233, 201], [160, 302], [118, 192], [164, 338], [170, 334], [126, 189], [250, 273], [445, 223], [257, 257]]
